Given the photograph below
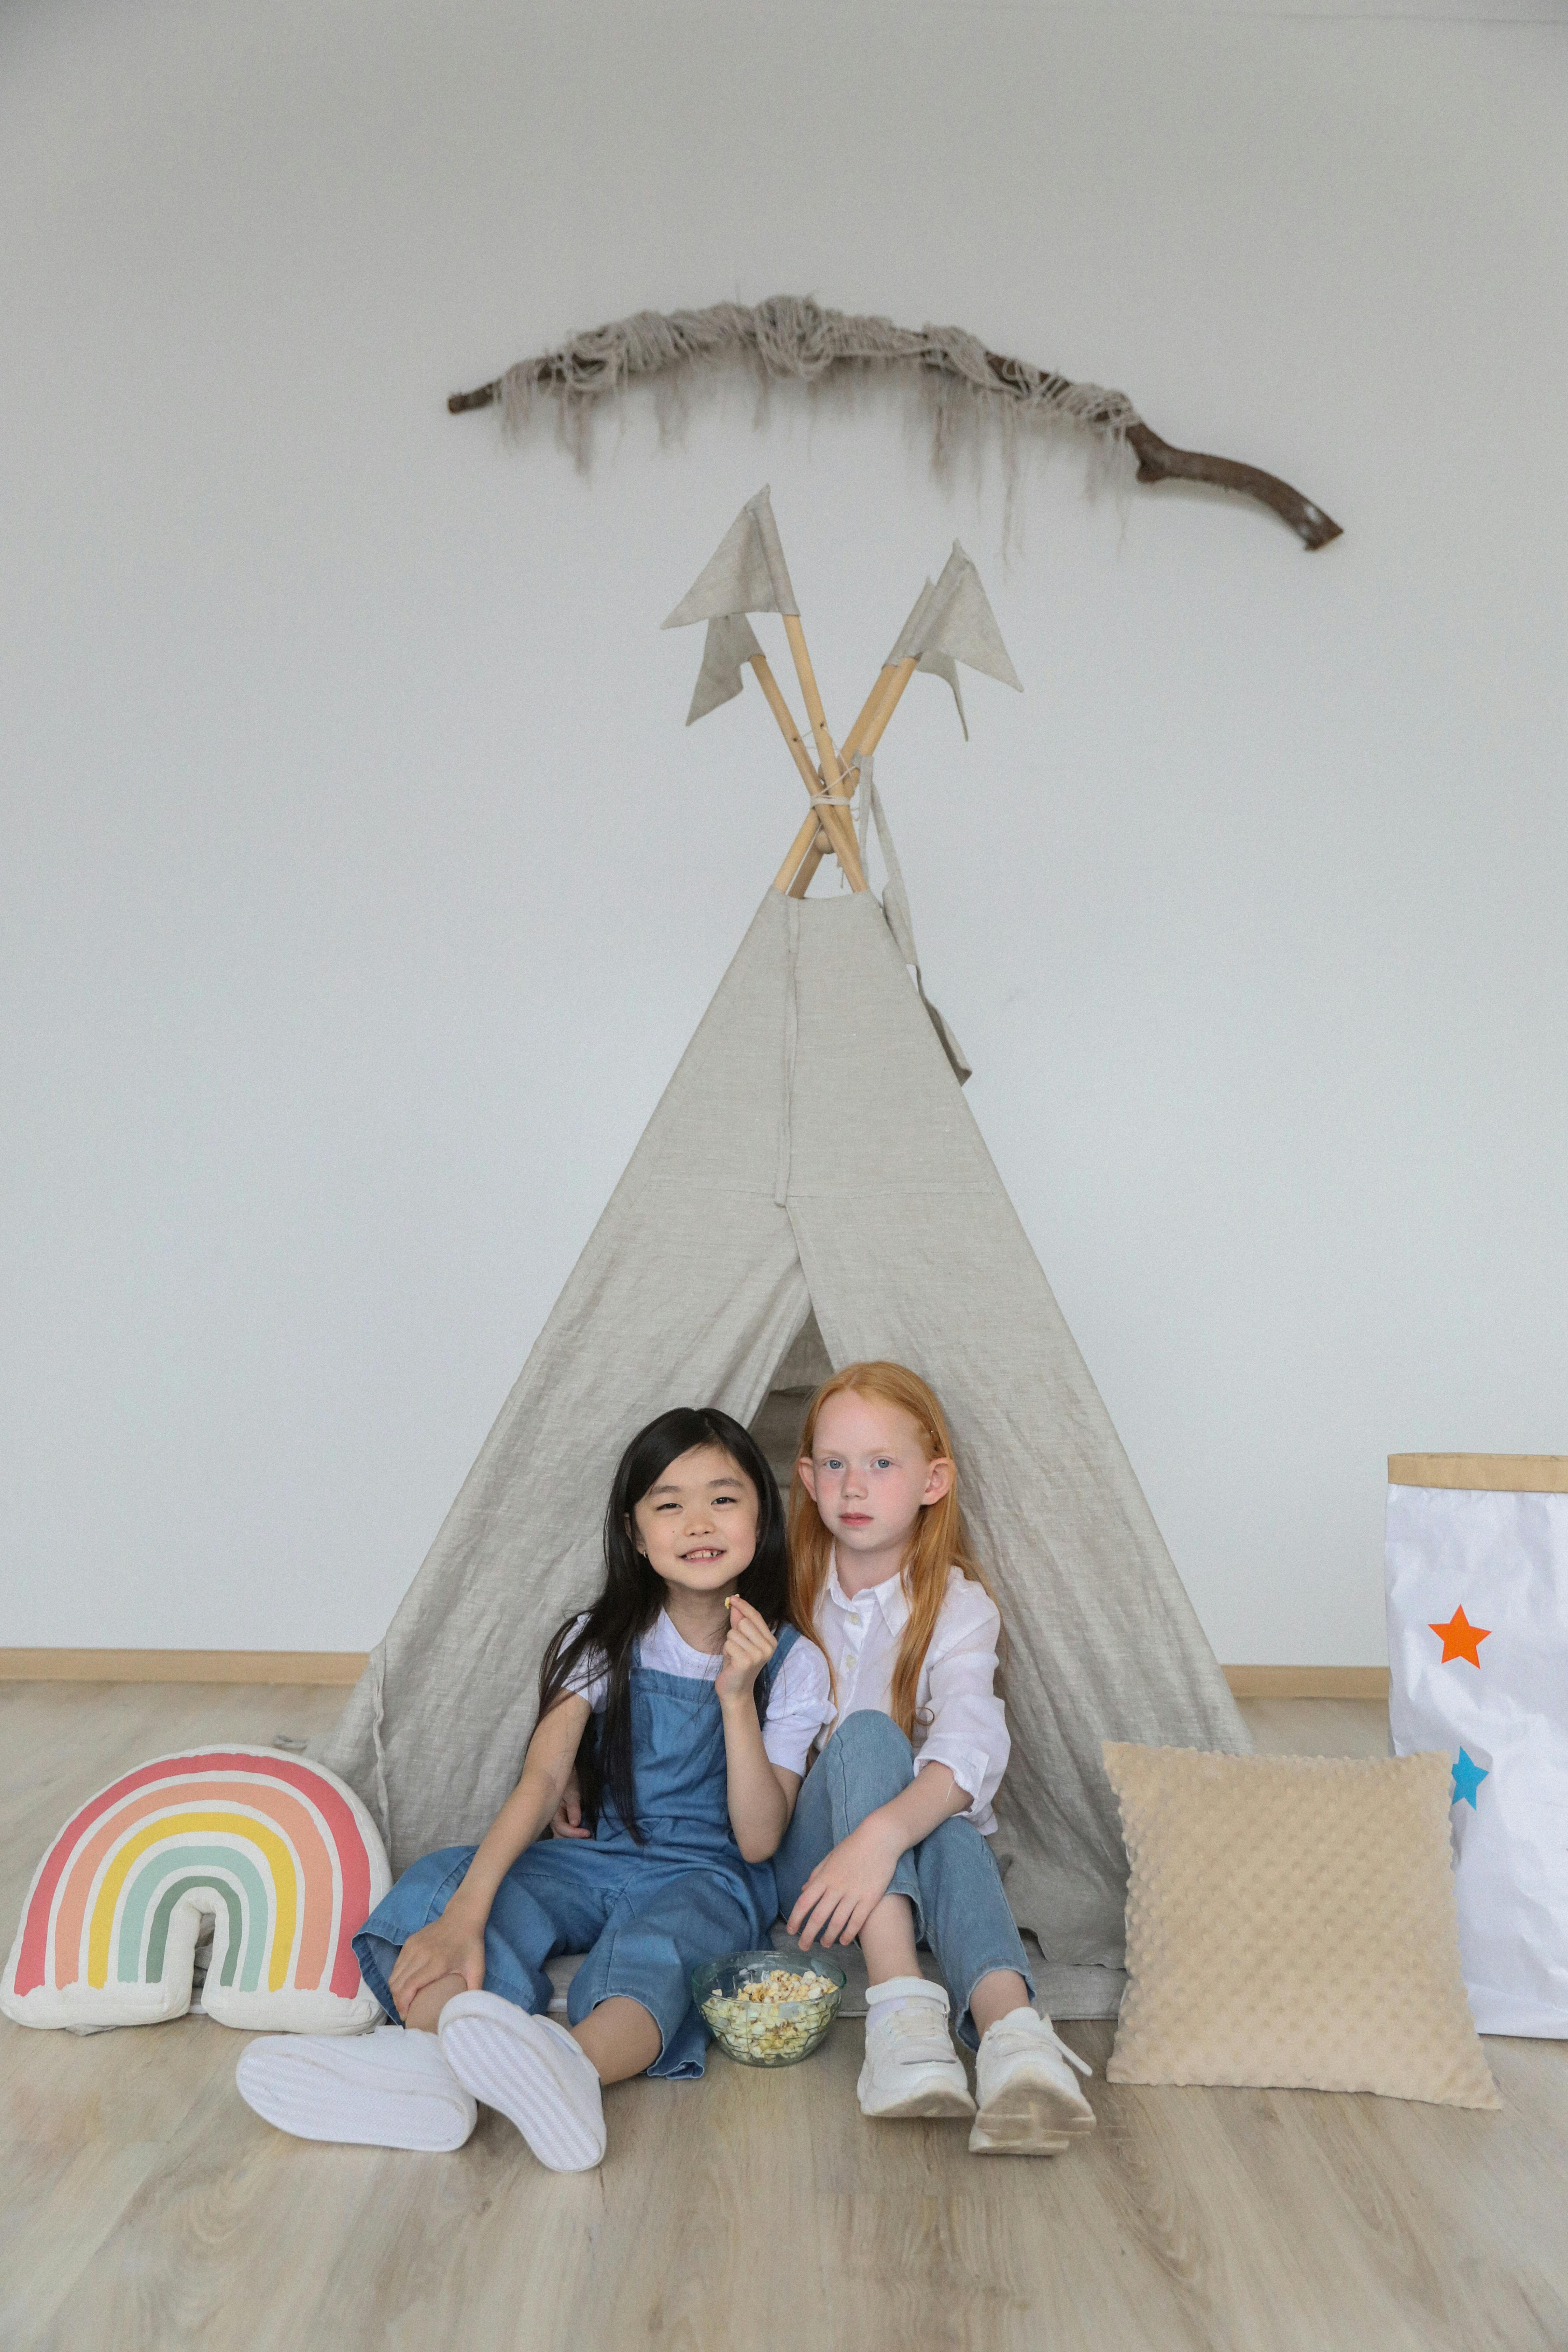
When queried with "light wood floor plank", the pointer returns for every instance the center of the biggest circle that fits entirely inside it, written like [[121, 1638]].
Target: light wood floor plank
[[58, 2205], [143, 2207]]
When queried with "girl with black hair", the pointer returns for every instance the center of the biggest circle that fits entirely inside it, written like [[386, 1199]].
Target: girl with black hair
[[687, 1703]]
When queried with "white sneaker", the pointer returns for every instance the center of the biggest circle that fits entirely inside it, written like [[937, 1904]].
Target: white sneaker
[[530, 2068], [1030, 2103], [386, 2089], [911, 2067]]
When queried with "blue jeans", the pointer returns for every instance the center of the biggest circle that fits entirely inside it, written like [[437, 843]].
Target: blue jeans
[[645, 1921], [961, 1911]]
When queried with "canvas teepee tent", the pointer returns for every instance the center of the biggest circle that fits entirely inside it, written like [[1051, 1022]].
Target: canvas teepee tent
[[795, 1240]]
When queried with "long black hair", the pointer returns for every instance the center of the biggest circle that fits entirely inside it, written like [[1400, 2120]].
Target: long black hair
[[634, 1595]]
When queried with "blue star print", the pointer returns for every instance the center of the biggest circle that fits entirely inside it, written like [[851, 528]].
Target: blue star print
[[1468, 1778]]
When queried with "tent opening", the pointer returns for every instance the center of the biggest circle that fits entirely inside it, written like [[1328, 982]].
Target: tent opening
[[776, 1424]]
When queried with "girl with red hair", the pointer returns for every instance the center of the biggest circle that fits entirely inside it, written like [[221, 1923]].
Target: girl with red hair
[[888, 1844]]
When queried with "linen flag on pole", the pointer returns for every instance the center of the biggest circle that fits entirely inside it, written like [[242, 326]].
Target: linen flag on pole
[[953, 623], [746, 573], [730, 642], [935, 665], [1477, 1646]]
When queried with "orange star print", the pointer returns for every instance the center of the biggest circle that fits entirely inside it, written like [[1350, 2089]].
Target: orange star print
[[1461, 1639]]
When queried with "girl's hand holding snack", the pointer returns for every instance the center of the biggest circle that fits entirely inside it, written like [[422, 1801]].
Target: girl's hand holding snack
[[448, 1946], [748, 1646]]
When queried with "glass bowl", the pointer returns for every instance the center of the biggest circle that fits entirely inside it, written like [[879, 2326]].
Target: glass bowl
[[756, 2027]]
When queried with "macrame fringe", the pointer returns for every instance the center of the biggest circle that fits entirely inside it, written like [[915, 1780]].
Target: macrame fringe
[[791, 338]]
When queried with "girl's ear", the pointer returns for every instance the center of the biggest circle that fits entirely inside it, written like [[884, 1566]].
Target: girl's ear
[[938, 1480], [632, 1536], [808, 1469]]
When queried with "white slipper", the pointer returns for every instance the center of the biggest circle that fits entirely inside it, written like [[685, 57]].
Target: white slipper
[[386, 2089], [533, 2072]]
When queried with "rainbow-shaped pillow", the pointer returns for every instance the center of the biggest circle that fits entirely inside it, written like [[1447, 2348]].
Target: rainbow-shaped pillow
[[281, 1857]]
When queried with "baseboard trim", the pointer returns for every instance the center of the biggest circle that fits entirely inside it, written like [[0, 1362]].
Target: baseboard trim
[[336, 1667], [1307, 1682]]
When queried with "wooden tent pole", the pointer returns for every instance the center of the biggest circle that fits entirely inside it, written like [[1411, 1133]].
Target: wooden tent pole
[[791, 733], [797, 872], [810, 832], [787, 727], [801, 757], [840, 832], [856, 741]]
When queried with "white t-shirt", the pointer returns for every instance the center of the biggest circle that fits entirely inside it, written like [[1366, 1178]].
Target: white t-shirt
[[958, 1719], [800, 1704]]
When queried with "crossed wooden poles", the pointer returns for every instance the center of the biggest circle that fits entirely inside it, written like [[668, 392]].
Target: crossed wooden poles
[[951, 621]]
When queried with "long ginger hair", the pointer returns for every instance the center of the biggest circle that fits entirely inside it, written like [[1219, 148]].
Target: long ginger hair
[[938, 1543]]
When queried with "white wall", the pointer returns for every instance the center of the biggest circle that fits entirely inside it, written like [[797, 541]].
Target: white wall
[[361, 887]]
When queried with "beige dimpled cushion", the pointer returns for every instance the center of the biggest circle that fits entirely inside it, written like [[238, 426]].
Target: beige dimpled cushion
[[1290, 1921]]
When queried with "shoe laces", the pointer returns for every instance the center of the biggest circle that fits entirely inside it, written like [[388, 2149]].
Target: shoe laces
[[1027, 2040], [917, 2020]]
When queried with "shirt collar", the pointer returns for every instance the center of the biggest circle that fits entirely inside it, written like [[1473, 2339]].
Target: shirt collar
[[889, 1597]]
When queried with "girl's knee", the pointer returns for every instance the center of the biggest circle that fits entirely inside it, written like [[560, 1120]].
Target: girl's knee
[[955, 1836], [431, 1881], [956, 1856], [869, 1732]]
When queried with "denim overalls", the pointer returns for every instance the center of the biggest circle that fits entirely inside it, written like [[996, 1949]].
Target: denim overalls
[[646, 1915]]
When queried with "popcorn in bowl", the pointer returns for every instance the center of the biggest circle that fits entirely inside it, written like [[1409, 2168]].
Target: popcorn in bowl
[[763, 2013]]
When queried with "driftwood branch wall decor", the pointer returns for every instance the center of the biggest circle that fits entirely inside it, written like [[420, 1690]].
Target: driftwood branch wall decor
[[793, 339]]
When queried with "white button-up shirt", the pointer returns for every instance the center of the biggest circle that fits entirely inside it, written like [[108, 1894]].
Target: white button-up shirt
[[959, 1718], [800, 1708]]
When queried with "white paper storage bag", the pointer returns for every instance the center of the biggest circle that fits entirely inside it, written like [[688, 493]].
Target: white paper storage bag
[[1477, 1646]]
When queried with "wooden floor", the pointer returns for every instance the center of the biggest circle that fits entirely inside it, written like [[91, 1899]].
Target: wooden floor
[[142, 2205]]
